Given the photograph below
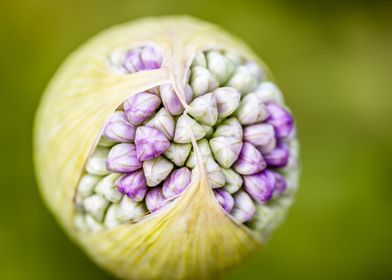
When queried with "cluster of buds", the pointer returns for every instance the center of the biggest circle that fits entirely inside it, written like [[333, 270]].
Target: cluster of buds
[[146, 157]]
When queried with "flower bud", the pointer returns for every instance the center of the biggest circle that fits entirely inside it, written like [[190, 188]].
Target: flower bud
[[226, 150], [208, 129], [278, 157], [129, 210], [132, 61], [261, 135], [155, 199], [177, 182], [229, 128], [87, 185], [107, 188], [280, 184], [92, 224], [244, 208], [233, 180], [224, 199], [205, 152], [150, 143], [118, 129], [251, 111], [151, 58], [280, 119], [178, 153], [111, 220], [250, 160], [185, 127], [96, 165], [219, 65], [214, 173], [164, 122], [228, 100], [96, 206], [133, 185], [199, 60], [268, 92], [202, 81], [244, 79], [260, 186], [123, 158], [170, 100], [141, 106], [204, 109], [156, 170]]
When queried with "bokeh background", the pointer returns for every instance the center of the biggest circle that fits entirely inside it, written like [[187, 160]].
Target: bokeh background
[[333, 61]]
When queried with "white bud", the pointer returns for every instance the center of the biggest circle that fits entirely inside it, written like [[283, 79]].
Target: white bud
[[156, 170], [251, 110], [219, 65], [80, 222], [129, 210], [96, 206], [204, 109], [111, 220], [204, 150], [87, 185], [202, 81], [227, 99], [164, 122], [229, 128], [199, 60], [244, 79], [116, 60], [92, 224], [233, 180], [268, 92], [178, 153], [108, 189], [96, 165], [214, 173], [225, 150], [185, 127]]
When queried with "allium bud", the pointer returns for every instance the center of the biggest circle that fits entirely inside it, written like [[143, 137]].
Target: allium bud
[[177, 182], [250, 160], [150, 143], [260, 186], [228, 100], [133, 61], [164, 122], [92, 224], [185, 127], [155, 199], [205, 152], [202, 81], [251, 111], [208, 129], [178, 153], [219, 65], [233, 180], [129, 210], [87, 185], [244, 79], [111, 219], [204, 109], [277, 157], [108, 189], [123, 158], [280, 119], [214, 173], [118, 129], [170, 100], [268, 92], [141, 106], [96, 206], [280, 184], [261, 135], [229, 128], [133, 185], [226, 150], [96, 165], [156, 170], [244, 208], [199, 60], [151, 58], [224, 199]]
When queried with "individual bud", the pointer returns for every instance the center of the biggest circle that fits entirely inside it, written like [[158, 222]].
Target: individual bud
[[141, 106], [229, 128], [177, 182], [280, 119], [80, 222], [133, 185], [244, 208], [280, 184], [178, 153], [260, 186], [96, 206], [150, 143], [116, 60], [105, 143], [268, 92], [233, 57], [164, 122], [224, 199], [96, 164], [255, 70], [202, 81], [156, 170], [185, 127], [155, 199], [244, 79], [233, 180], [209, 130], [219, 65], [170, 100], [261, 135], [250, 160], [107, 188], [129, 210], [188, 92], [87, 185], [132, 61], [118, 129], [214, 173], [111, 220], [228, 100], [204, 150], [151, 58], [204, 109], [251, 111], [92, 224], [226, 150], [123, 158], [200, 60], [278, 157]]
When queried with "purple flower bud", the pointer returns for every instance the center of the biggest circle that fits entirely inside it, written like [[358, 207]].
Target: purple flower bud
[[262, 136], [244, 208], [224, 199], [118, 129], [150, 143], [280, 119], [141, 106], [150, 57], [260, 186], [155, 199], [280, 184], [164, 122], [170, 100], [177, 182], [250, 160], [277, 157], [133, 61], [133, 185], [122, 158]]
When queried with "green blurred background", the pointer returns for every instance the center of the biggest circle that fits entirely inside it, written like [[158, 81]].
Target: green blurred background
[[333, 60]]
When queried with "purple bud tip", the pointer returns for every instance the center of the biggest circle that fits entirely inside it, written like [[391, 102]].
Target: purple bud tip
[[141, 106], [139, 59], [280, 119], [133, 185], [133, 61], [259, 135], [278, 157], [123, 158], [155, 199], [250, 160], [118, 129], [150, 143], [280, 184], [260, 186], [177, 182], [224, 199]]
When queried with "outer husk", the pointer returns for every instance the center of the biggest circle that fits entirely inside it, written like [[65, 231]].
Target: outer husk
[[192, 238]]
